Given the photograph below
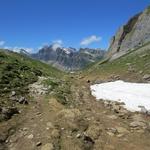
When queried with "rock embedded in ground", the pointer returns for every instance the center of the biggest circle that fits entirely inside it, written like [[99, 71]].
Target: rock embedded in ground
[[49, 125], [13, 93], [113, 117], [94, 131], [48, 146], [146, 77], [136, 124], [78, 135], [122, 130], [111, 131], [23, 100], [140, 72], [38, 143], [30, 136]]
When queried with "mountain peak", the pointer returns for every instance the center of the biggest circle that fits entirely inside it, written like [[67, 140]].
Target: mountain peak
[[135, 33], [69, 58]]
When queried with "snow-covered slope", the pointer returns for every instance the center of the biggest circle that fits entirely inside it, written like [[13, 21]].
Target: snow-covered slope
[[132, 94]]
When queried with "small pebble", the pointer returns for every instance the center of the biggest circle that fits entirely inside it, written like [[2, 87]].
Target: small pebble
[[38, 144]]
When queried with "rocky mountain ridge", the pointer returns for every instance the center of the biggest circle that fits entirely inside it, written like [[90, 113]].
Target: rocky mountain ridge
[[68, 58], [132, 35]]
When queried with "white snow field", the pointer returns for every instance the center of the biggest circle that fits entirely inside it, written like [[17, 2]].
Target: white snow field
[[132, 94]]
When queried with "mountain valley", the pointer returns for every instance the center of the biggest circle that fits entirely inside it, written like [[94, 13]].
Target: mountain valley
[[46, 102]]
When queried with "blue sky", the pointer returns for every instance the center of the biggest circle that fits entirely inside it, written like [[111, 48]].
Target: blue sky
[[74, 23]]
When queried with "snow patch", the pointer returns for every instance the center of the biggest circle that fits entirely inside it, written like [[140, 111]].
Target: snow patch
[[133, 95], [67, 50]]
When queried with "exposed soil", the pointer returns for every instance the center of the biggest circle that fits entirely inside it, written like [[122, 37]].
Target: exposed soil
[[45, 124]]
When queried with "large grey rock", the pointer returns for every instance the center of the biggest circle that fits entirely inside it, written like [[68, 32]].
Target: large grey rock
[[132, 35]]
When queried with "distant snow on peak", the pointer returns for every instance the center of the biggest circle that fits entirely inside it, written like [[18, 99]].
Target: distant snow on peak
[[66, 50]]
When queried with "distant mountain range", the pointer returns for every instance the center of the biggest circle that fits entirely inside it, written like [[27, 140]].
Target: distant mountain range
[[134, 34], [68, 58]]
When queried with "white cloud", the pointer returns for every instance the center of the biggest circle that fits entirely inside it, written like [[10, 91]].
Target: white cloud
[[89, 40], [56, 44], [2, 43], [58, 41]]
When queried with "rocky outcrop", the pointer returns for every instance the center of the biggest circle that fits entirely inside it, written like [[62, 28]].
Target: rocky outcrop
[[69, 58], [132, 35]]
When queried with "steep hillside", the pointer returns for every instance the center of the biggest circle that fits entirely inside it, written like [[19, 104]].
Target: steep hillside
[[132, 35], [69, 58], [16, 73], [133, 66]]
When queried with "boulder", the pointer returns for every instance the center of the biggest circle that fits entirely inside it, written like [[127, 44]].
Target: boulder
[[137, 124], [94, 131], [111, 131], [122, 130], [146, 77], [23, 100], [13, 93]]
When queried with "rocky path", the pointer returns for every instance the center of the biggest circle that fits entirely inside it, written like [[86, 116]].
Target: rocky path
[[84, 125], [112, 127]]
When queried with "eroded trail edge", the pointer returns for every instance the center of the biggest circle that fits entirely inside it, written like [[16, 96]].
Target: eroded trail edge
[[81, 124]]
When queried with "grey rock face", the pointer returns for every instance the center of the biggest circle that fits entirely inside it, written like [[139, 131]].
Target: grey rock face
[[69, 58], [132, 35]]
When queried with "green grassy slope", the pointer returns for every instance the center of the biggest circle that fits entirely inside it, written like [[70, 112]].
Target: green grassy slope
[[16, 73], [131, 66]]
